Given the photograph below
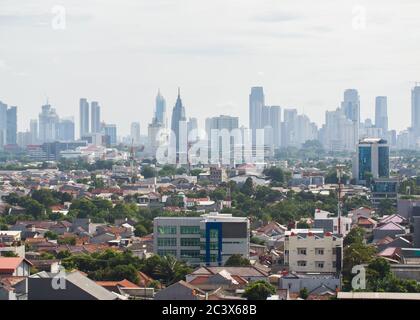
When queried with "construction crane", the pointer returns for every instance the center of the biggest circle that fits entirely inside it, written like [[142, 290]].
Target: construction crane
[[340, 169], [132, 160]]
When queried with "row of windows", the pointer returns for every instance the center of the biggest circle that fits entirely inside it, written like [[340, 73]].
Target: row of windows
[[183, 230], [167, 253], [190, 254], [318, 251], [166, 242], [318, 264], [172, 242]]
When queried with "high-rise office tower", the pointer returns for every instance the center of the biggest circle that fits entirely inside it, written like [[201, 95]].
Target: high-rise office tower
[[372, 157], [288, 128], [275, 123], [95, 113], [33, 130], [415, 111], [48, 124], [256, 104], [351, 105], [135, 133], [177, 124], [351, 109], [3, 123], [192, 125], [110, 132], [160, 110], [338, 131], [66, 130], [381, 114], [11, 126], [84, 117]]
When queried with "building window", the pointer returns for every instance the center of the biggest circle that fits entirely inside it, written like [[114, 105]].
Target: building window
[[214, 245], [167, 253], [166, 229], [302, 251], [334, 251], [190, 254], [190, 230], [319, 264], [334, 264], [319, 251], [166, 242], [301, 263], [214, 234], [190, 242]]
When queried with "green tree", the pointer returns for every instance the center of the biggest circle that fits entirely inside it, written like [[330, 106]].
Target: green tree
[[170, 270], [236, 260], [258, 290], [356, 235], [386, 207], [275, 174], [140, 230], [248, 187], [148, 172], [303, 293]]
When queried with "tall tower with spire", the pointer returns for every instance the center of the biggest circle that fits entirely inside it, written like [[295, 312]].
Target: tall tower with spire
[[178, 119]]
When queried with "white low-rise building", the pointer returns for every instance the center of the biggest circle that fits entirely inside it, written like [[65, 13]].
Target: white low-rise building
[[313, 250]]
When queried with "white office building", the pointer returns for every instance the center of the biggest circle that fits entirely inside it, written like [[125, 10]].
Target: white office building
[[209, 239]]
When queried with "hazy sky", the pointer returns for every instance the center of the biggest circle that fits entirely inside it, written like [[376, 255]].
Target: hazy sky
[[304, 53]]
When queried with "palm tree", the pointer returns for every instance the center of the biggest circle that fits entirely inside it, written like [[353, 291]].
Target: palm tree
[[170, 270]]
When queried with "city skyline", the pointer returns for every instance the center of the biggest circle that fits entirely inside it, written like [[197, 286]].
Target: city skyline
[[290, 49]]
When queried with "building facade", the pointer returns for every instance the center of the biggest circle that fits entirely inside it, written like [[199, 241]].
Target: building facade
[[313, 251], [206, 240]]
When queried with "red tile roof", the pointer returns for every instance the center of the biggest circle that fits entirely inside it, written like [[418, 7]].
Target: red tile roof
[[10, 264]]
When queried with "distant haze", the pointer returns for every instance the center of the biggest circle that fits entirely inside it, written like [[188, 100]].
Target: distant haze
[[303, 52]]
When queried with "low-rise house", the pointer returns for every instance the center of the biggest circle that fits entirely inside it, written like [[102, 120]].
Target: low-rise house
[[180, 291], [368, 224], [329, 223], [364, 212], [222, 279], [390, 229], [66, 286], [295, 281], [395, 218], [16, 267], [10, 241], [249, 274]]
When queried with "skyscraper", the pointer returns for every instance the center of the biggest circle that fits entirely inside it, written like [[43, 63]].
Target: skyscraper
[[110, 131], [11, 130], [288, 128], [84, 117], [351, 105], [275, 123], [177, 125], [95, 113], [66, 130], [160, 110], [351, 109], [381, 115], [256, 104], [191, 126], [415, 111], [135, 133], [48, 124], [33, 129]]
